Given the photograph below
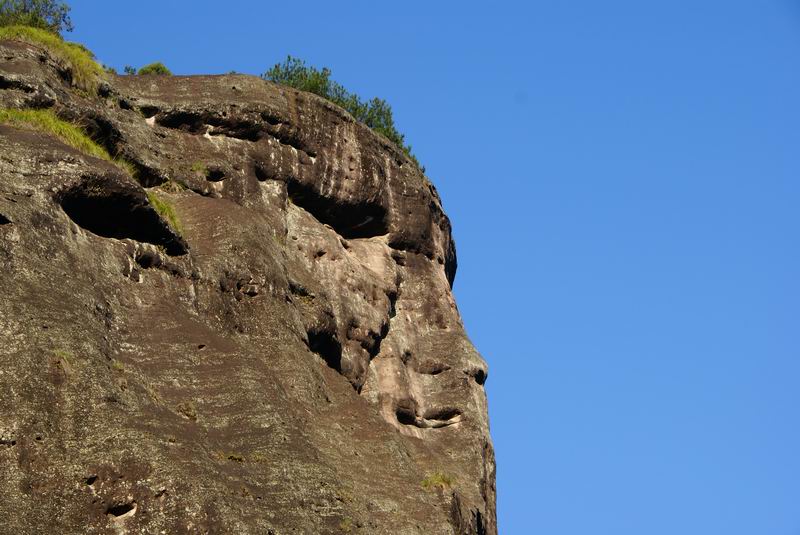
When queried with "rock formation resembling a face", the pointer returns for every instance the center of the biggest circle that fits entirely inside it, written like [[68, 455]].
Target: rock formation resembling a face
[[255, 334]]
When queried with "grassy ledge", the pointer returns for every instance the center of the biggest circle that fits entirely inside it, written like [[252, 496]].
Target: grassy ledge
[[46, 121], [86, 72], [438, 480], [165, 210]]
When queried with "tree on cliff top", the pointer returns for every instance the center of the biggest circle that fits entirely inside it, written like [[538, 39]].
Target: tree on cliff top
[[50, 15], [375, 113]]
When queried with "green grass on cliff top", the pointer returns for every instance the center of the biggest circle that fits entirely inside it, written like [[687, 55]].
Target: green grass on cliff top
[[86, 72], [46, 121]]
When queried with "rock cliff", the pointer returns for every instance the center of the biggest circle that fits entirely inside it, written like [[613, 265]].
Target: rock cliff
[[253, 332]]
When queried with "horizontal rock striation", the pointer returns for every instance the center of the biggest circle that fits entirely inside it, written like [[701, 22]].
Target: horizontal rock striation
[[255, 333]]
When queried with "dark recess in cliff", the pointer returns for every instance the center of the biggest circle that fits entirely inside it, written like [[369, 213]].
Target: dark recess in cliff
[[118, 213], [362, 220]]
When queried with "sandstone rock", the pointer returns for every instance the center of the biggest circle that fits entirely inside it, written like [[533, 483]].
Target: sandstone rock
[[289, 359]]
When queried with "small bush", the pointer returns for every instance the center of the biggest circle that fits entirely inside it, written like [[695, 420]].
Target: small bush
[[47, 15], [438, 480], [346, 525], [155, 68], [375, 113], [165, 210], [199, 167], [46, 121], [86, 72]]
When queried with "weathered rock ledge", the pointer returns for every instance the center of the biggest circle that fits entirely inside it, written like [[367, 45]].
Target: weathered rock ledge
[[290, 359]]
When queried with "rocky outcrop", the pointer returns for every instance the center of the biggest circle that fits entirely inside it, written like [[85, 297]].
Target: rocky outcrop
[[284, 357]]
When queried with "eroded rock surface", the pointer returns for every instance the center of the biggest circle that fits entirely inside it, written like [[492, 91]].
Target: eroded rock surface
[[288, 360]]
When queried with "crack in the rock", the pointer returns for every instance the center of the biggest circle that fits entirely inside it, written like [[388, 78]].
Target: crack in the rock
[[10, 83], [407, 414], [215, 125]]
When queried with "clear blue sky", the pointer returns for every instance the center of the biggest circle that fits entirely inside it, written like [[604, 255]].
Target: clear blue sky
[[623, 179]]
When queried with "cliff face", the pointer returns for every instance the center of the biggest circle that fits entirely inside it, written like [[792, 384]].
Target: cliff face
[[284, 357]]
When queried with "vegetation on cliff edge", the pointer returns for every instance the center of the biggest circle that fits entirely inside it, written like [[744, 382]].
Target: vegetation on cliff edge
[[155, 68], [48, 122], [86, 72], [375, 113]]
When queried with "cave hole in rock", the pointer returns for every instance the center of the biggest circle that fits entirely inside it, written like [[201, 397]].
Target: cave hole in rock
[[349, 220], [90, 480], [148, 259], [194, 123], [114, 211], [147, 176], [4, 220], [406, 416], [215, 175], [121, 509], [480, 376], [270, 119], [261, 174], [149, 111], [327, 347]]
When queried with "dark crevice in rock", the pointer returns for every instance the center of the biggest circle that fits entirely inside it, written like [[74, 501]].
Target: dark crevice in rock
[[111, 210], [372, 344], [349, 220], [200, 123], [236, 129], [298, 289], [121, 509], [480, 524], [8, 83], [327, 347], [147, 176], [215, 175], [4, 220], [149, 111], [392, 305], [147, 259], [399, 243], [292, 141], [90, 480], [479, 375], [406, 414], [273, 121], [431, 368], [261, 174], [193, 123], [102, 131]]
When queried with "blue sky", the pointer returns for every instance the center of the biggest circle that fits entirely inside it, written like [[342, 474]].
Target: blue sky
[[623, 179]]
